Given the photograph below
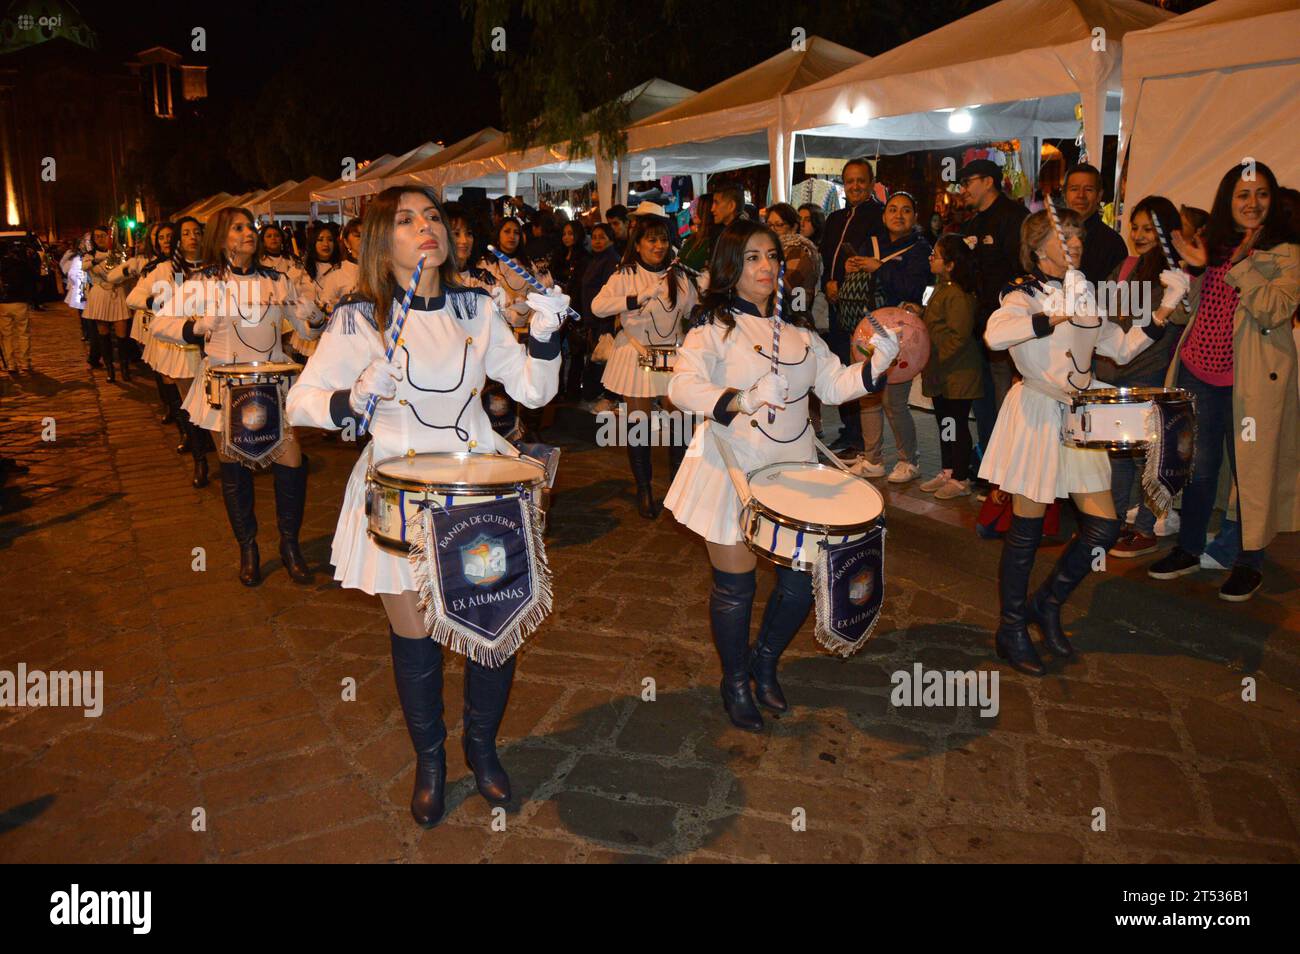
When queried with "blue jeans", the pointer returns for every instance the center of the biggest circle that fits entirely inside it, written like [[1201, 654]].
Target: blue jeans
[[840, 343], [997, 382], [1214, 433]]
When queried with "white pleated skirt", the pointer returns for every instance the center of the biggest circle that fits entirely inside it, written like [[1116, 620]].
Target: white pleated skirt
[[138, 331], [104, 304], [1025, 455], [197, 407], [624, 376], [171, 360], [360, 563]]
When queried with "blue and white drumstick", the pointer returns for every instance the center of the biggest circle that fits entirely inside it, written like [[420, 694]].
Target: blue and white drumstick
[[398, 322], [1060, 233], [1164, 247], [523, 273], [776, 336]]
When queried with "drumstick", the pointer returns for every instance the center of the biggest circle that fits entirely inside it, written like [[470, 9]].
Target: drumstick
[[523, 273], [894, 255], [776, 336], [398, 322], [1060, 233], [1164, 247]]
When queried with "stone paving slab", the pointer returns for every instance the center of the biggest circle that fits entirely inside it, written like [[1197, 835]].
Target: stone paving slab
[[229, 700]]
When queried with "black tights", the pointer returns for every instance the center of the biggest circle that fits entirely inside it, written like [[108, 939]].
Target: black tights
[[954, 453]]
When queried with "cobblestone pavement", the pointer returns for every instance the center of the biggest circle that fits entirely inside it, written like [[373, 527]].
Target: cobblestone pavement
[[228, 699]]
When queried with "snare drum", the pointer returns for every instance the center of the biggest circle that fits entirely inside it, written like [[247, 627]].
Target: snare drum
[[397, 487], [795, 506], [1115, 419], [659, 358], [220, 376]]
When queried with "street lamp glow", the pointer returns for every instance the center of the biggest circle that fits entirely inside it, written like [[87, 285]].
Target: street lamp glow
[[959, 121]]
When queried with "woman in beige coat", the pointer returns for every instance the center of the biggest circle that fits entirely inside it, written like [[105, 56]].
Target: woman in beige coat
[[1238, 358]]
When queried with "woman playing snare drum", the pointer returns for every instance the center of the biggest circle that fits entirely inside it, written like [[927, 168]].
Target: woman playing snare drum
[[1045, 320], [237, 306], [652, 300], [724, 372], [453, 339]]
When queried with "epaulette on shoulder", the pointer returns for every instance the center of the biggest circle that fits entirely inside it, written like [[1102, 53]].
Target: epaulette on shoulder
[[343, 320], [1024, 283], [464, 302]]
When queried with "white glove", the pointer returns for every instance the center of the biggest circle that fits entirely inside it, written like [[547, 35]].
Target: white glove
[[771, 389], [1176, 284], [885, 349], [379, 379], [548, 312], [1078, 293], [206, 324]]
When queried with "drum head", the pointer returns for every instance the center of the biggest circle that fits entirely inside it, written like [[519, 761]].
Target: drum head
[[816, 494], [473, 470]]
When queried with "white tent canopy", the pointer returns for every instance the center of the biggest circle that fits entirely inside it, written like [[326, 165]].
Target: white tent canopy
[[422, 172], [202, 203], [496, 167], [369, 180], [259, 208], [293, 203], [1207, 90], [735, 123], [239, 201], [1056, 51]]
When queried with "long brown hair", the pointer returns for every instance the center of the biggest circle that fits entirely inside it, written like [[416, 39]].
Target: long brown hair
[[646, 225], [376, 282], [724, 274], [214, 237]]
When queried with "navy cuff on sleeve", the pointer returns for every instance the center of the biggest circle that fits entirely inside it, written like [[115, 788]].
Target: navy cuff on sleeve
[[189, 334], [544, 350], [720, 412], [632, 303], [341, 407], [1042, 325], [1155, 332], [876, 385]]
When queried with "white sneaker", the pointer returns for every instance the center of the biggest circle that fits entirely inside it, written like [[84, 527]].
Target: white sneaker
[[1130, 518], [1167, 526], [937, 481], [904, 471], [953, 488], [864, 468]]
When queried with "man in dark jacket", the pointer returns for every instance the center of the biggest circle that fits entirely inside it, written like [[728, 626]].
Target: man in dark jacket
[[19, 274], [847, 236], [993, 233], [1103, 247]]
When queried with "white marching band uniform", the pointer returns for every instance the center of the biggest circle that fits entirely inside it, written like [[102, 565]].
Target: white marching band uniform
[[327, 289], [105, 298], [1025, 454], [250, 306], [712, 366], [450, 345], [71, 265], [639, 296], [177, 361]]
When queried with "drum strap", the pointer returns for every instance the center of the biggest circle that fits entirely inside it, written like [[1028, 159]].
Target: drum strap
[[1042, 387]]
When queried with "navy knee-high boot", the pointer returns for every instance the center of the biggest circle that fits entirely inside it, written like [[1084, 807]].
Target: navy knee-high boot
[[1018, 549], [1096, 535], [787, 608], [730, 605], [486, 692], [417, 670]]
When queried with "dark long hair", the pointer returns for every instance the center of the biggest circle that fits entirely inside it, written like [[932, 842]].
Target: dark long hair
[[1150, 265], [376, 282], [179, 265], [955, 251], [818, 215], [155, 253], [643, 226], [725, 269], [286, 248], [1222, 236], [313, 261]]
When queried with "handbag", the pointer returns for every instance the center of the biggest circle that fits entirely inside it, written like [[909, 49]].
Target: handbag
[[859, 295], [604, 349]]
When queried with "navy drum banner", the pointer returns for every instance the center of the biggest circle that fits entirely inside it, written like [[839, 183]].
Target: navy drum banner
[[252, 422], [849, 591], [482, 574], [1171, 428]]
